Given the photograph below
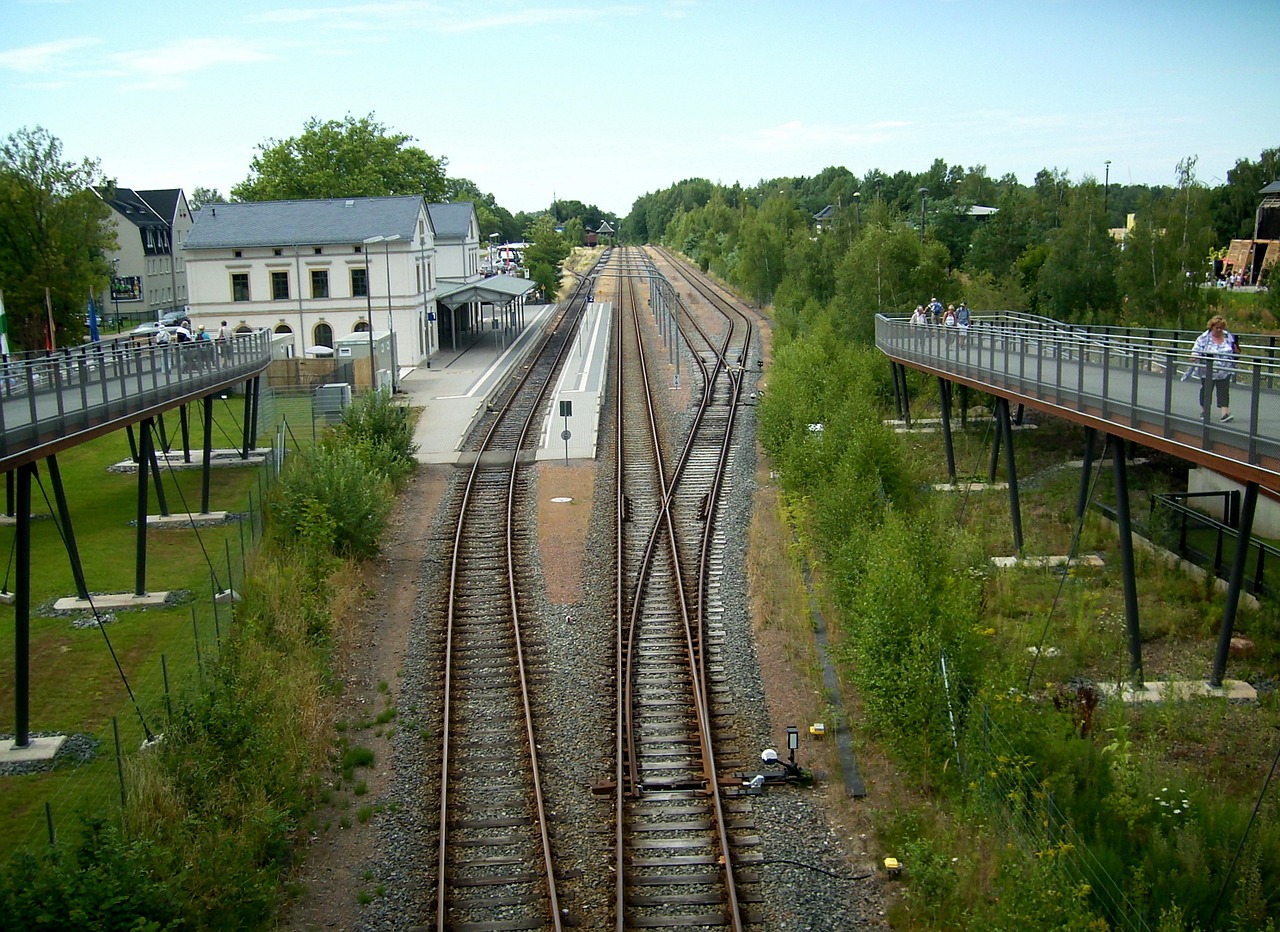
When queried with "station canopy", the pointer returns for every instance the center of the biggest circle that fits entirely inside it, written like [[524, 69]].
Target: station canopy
[[496, 289]]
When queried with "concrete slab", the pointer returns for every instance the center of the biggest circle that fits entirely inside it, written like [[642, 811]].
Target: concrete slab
[[218, 459], [184, 520], [43, 748], [1160, 690], [1088, 559], [109, 601], [970, 486]]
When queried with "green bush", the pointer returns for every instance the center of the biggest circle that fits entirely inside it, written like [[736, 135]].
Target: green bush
[[330, 496], [383, 433], [100, 884]]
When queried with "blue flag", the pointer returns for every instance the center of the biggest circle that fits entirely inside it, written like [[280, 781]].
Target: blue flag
[[93, 320]]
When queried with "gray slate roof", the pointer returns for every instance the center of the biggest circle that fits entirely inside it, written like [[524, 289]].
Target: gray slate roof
[[451, 221], [304, 223]]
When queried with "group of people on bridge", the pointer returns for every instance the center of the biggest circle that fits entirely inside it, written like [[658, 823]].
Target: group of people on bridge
[[954, 319]]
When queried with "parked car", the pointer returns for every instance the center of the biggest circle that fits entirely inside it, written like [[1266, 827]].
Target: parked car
[[174, 317]]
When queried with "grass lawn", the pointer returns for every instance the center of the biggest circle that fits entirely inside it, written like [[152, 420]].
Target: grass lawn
[[76, 686]]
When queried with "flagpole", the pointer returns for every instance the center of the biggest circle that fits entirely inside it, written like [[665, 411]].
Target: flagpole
[[4, 328], [53, 337]]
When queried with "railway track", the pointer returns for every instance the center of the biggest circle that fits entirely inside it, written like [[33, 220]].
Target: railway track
[[679, 857], [495, 866]]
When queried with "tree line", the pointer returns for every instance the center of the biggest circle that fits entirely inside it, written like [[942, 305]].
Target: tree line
[[893, 241]]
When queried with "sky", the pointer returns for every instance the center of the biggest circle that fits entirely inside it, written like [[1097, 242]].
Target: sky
[[605, 102]]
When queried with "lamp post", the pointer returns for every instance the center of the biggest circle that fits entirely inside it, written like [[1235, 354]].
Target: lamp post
[[368, 300], [386, 250], [115, 296], [857, 206], [391, 321], [1106, 187], [924, 193]]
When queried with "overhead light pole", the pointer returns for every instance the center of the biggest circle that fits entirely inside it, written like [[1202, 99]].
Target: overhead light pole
[[368, 300], [924, 193], [115, 295], [391, 321], [857, 206], [1106, 186]]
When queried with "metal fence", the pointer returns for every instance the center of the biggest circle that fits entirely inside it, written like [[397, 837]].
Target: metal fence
[[1123, 376], [46, 396]]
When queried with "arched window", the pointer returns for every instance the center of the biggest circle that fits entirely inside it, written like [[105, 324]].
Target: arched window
[[362, 326], [322, 335], [283, 328]]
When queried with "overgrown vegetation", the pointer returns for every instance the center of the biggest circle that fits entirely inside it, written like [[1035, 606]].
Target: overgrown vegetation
[[213, 810]]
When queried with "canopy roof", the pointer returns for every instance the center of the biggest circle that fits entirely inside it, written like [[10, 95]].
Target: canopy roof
[[496, 289]]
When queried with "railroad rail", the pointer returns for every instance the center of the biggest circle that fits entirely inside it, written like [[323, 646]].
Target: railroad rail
[[676, 860], [495, 867]]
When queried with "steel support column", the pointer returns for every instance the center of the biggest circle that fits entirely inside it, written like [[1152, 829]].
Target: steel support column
[[1011, 470], [1120, 466], [206, 473], [1086, 473], [944, 396], [22, 611], [153, 466], [185, 425], [250, 415], [68, 533], [147, 456], [1243, 535]]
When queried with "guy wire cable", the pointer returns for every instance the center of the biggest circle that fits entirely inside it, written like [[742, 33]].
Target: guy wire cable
[[97, 617], [190, 516], [1071, 555]]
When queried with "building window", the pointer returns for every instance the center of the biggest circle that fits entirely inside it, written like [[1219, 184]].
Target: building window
[[239, 286], [359, 283], [278, 252], [322, 335], [319, 250], [279, 286], [239, 254], [319, 283]]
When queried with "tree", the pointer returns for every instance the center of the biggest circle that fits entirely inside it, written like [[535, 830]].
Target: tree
[[53, 236], [1077, 281], [1164, 260], [1235, 204], [544, 254], [202, 195], [353, 157]]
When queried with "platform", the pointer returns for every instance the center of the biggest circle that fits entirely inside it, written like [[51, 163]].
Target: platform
[[454, 391]]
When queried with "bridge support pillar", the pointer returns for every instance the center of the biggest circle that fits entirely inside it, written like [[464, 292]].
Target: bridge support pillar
[[944, 396], [146, 458], [206, 474], [1120, 466], [68, 533], [1243, 533], [1086, 471], [1011, 470], [22, 610]]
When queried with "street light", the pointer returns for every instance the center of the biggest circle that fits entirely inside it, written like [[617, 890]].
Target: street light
[[386, 249], [115, 295], [1106, 187], [924, 193], [857, 206]]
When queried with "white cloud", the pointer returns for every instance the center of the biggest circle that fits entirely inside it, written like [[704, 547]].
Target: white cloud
[[439, 17], [795, 135], [35, 58], [188, 55]]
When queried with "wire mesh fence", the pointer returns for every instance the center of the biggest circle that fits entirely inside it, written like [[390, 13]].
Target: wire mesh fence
[[157, 656]]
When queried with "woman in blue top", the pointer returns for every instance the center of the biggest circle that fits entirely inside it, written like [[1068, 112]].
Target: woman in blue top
[[1219, 345]]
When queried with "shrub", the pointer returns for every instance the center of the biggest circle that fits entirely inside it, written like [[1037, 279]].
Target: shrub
[[329, 496]]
